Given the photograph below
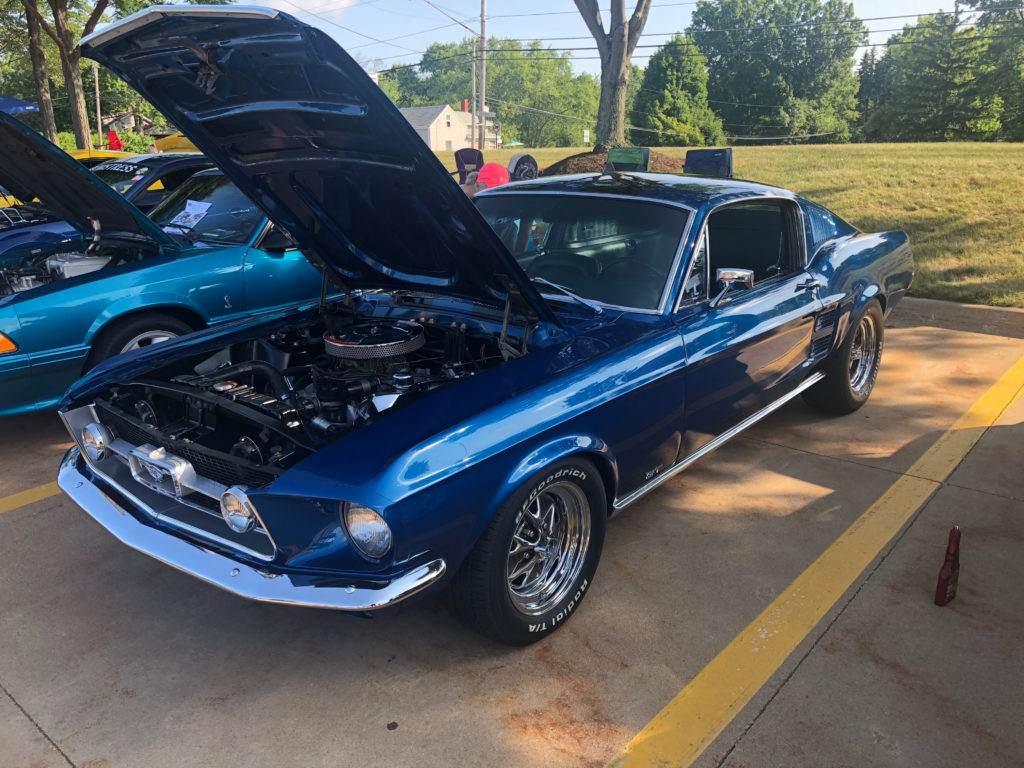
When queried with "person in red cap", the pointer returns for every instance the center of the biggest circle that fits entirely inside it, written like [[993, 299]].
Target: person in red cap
[[491, 175]]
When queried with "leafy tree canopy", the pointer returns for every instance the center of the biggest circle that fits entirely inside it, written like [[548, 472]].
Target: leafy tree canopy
[[673, 100], [780, 67]]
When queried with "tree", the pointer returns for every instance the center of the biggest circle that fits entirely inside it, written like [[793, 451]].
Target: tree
[[1003, 24], [673, 102], [37, 55], [531, 89], [67, 25], [615, 48], [938, 92], [781, 67]]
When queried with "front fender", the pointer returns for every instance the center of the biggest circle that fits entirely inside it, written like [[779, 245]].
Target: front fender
[[143, 301], [554, 451]]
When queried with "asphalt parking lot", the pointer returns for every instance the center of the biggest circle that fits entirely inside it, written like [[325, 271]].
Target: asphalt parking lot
[[110, 658]]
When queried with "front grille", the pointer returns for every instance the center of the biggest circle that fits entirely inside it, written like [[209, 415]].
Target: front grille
[[220, 467]]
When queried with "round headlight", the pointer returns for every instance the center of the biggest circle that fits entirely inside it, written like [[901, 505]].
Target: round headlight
[[95, 441], [237, 510], [367, 530]]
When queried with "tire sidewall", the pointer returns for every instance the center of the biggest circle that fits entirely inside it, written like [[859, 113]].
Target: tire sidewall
[[519, 628]]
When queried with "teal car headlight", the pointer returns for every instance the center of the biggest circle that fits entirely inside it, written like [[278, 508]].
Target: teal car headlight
[[366, 529]]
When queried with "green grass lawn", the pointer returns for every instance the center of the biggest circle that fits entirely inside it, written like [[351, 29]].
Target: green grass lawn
[[960, 203]]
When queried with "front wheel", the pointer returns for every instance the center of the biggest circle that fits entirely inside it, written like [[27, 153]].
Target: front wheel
[[850, 374], [135, 333], [534, 564]]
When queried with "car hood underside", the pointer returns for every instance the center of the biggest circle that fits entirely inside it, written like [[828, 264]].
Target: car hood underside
[[297, 124]]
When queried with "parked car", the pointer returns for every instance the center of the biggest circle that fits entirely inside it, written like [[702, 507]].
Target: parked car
[[147, 180], [485, 394], [93, 157], [124, 281], [144, 180]]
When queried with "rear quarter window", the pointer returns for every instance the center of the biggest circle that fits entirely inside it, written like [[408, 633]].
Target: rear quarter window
[[822, 226]]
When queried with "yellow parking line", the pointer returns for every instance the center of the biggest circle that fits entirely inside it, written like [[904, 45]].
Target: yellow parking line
[[32, 495], [697, 715]]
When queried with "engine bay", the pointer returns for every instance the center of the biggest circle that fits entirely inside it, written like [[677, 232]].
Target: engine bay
[[269, 402], [51, 265]]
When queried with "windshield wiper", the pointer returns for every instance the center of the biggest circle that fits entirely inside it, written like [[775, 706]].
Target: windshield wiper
[[187, 232], [598, 309]]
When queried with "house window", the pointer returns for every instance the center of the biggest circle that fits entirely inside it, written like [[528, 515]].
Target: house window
[[448, 121], [448, 146]]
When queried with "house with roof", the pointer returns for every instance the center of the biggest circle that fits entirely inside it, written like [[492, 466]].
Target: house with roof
[[443, 128]]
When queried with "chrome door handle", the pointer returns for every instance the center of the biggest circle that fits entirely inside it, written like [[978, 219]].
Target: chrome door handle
[[811, 284]]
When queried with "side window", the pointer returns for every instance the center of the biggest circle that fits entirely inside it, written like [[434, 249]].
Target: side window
[[760, 235], [175, 179]]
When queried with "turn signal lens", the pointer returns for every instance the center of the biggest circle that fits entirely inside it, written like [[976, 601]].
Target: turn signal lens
[[237, 511], [6, 345], [95, 441], [367, 530]]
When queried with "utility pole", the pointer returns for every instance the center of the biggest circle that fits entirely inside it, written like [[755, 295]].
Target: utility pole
[[483, 74], [472, 106], [99, 120]]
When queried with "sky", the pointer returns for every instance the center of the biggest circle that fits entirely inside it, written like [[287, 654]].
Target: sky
[[409, 26]]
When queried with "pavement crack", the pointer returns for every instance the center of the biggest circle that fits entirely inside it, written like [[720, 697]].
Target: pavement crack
[[39, 728], [843, 459], [987, 493]]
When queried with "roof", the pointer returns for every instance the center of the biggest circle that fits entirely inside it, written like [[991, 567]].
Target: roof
[[422, 117], [694, 191], [160, 158]]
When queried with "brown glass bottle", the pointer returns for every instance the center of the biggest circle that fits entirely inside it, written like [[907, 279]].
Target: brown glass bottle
[[949, 574]]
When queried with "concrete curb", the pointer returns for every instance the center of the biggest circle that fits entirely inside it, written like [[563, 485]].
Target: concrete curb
[[973, 318]]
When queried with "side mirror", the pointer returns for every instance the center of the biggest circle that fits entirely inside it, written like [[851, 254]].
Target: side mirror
[[730, 276], [276, 240]]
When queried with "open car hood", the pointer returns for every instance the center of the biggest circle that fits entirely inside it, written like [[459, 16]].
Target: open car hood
[[298, 125], [31, 167]]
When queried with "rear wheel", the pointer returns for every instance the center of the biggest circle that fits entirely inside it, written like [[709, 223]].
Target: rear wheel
[[533, 565], [850, 374], [136, 332]]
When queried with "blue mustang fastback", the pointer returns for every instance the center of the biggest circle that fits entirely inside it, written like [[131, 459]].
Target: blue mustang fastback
[[125, 281], [495, 381]]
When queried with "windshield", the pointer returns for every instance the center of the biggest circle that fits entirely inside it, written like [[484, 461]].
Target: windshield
[[208, 209], [121, 176], [615, 251]]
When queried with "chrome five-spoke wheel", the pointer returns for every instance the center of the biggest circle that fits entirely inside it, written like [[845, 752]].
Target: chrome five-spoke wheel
[[548, 547], [147, 338]]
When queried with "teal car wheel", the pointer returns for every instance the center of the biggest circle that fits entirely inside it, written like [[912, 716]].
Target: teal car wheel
[[136, 332]]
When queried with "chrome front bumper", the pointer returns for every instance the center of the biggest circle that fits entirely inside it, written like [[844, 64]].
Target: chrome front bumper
[[228, 574]]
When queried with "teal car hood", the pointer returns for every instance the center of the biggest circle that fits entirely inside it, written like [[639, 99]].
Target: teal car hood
[[301, 129], [31, 167]]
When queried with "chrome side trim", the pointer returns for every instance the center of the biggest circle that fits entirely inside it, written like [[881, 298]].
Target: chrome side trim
[[231, 575], [686, 461]]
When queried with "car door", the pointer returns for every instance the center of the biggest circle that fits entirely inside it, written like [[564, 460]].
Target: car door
[[276, 275], [750, 346]]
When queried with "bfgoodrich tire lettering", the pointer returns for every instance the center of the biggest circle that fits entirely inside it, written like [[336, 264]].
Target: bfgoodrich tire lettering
[[532, 567], [850, 374]]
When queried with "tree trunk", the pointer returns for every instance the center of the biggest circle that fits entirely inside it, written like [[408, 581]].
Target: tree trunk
[[70, 55], [38, 56], [616, 48]]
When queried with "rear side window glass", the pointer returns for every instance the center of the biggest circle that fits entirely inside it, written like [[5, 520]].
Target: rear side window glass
[[822, 226]]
